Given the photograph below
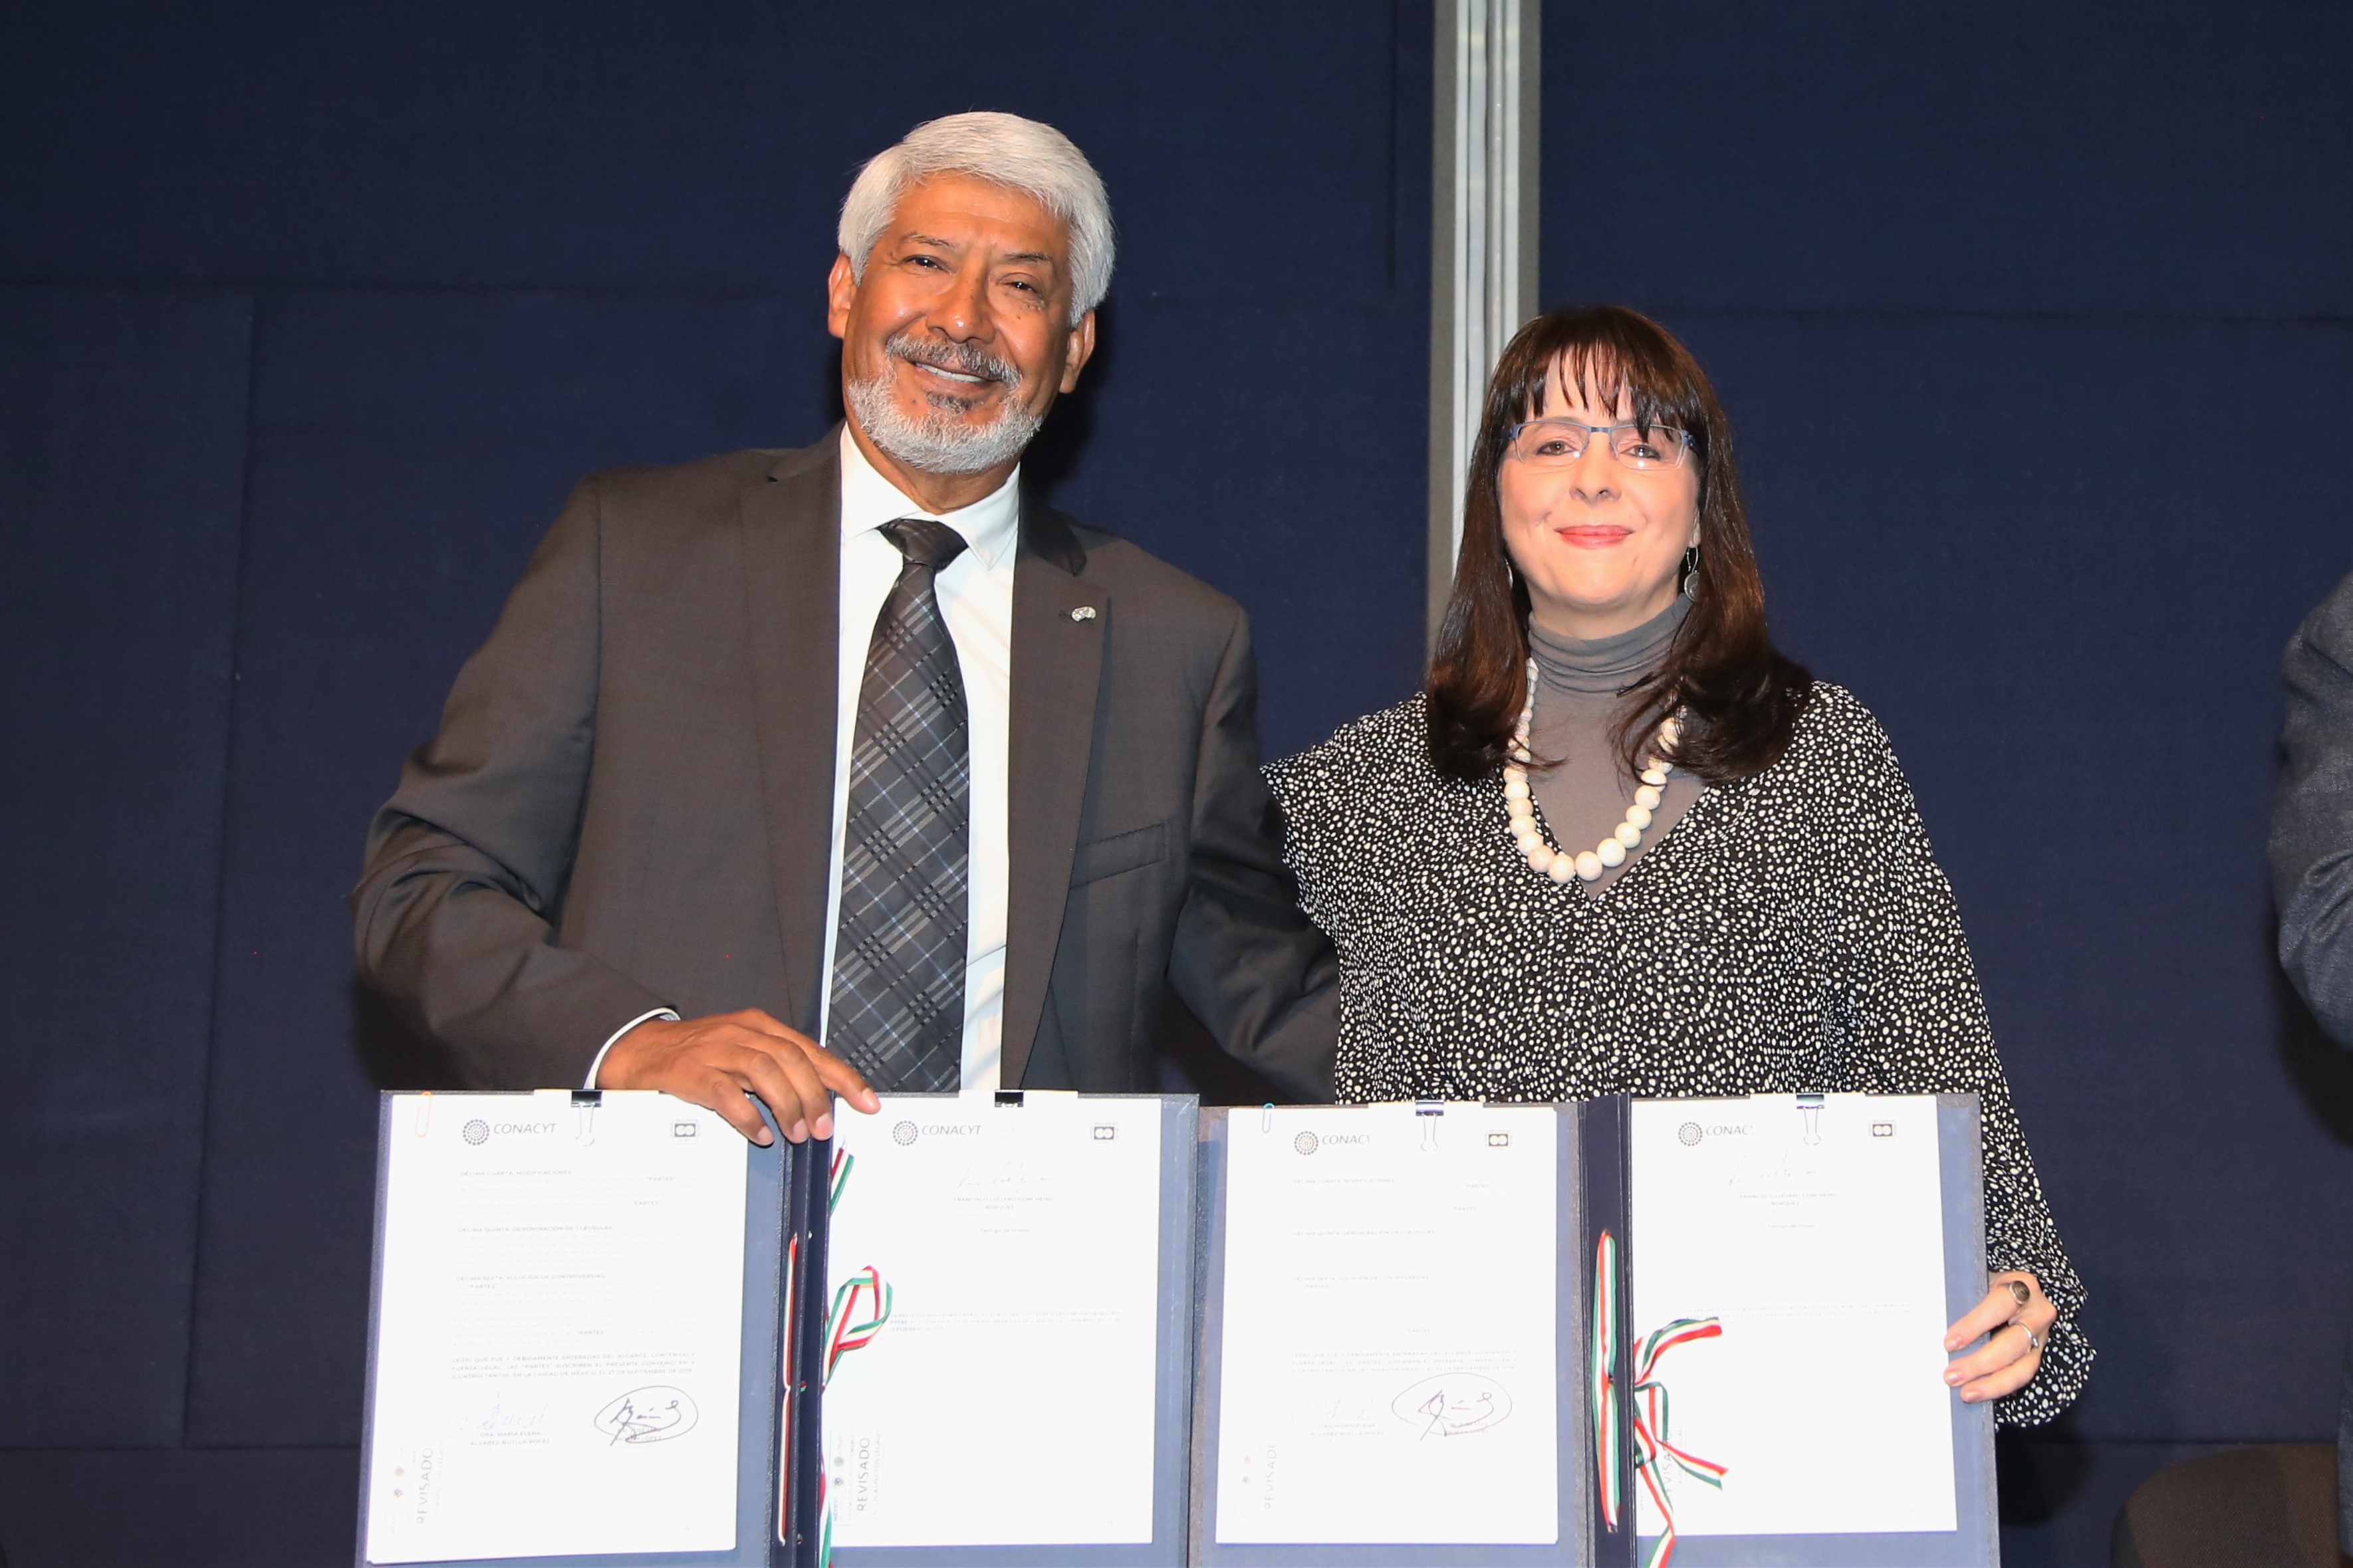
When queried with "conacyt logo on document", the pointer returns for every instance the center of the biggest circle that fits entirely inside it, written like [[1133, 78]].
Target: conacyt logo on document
[[477, 1132], [1308, 1142], [907, 1133], [1691, 1132]]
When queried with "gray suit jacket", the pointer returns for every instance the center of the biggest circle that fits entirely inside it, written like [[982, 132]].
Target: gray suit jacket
[[2312, 875], [2312, 816], [630, 802]]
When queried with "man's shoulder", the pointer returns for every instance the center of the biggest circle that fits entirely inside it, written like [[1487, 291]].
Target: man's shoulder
[[1140, 579], [669, 489], [2327, 633]]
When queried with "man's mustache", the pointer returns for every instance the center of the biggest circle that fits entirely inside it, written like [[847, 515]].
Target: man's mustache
[[966, 359]]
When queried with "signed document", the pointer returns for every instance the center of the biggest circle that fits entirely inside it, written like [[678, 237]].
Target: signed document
[[1008, 1398], [559, 1329], [1816, 1235], [1387, 1354]]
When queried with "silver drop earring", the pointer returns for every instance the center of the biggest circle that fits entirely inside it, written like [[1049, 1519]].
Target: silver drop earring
[[1691, 572]]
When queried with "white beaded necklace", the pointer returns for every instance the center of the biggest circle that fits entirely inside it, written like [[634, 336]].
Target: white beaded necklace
[[1559, 865]]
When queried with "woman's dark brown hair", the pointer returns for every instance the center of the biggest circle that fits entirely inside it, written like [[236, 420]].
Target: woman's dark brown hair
[[1742, 695]]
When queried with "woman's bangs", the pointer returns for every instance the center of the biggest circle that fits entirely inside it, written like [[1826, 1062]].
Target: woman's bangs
[[1602, 372]]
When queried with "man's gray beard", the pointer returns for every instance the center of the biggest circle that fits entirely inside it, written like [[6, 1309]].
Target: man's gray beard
[[940, 442]]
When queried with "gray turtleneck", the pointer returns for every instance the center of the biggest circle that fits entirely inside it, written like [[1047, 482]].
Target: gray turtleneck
[[1578, 683]]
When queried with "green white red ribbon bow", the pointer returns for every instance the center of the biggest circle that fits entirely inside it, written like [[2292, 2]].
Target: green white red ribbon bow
[[846, 1330], [848, 1327], [1653, 1451]]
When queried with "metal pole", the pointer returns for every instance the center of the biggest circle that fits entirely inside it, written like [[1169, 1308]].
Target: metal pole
[[1483, 258]]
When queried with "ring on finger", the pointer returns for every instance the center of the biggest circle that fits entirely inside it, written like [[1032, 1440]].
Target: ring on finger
[[2021, 1291], [2034, 1341]]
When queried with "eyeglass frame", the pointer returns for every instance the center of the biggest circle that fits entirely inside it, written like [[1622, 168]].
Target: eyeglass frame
[[1683, 443]]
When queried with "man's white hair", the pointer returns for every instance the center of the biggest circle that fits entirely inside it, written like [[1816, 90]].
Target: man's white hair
[[1005, 150]]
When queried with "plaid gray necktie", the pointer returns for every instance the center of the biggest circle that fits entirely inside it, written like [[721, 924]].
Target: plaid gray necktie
[[899, 953]]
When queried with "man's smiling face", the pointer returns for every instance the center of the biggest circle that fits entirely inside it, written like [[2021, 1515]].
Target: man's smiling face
[[958, 337]]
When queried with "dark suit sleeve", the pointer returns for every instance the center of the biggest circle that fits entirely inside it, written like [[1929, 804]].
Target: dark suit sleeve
[[455, 914], [2312, 816], [1248, 962]]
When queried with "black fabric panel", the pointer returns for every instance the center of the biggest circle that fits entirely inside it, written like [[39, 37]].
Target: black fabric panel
[[599, 143], [2017, 156], [121, 449], [2061, 1496], [294, 1508], [180, 1507]]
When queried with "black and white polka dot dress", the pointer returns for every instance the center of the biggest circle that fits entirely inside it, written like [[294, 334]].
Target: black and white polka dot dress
[[1792, 934]]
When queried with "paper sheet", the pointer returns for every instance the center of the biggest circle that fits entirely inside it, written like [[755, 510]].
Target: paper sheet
[[1816, 1236], [1388, 1336], [1009, 1399], [560, 1329]]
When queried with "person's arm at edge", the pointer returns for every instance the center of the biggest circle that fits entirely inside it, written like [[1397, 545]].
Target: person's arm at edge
[[1247, 960], [453, 917], [2312, 815]]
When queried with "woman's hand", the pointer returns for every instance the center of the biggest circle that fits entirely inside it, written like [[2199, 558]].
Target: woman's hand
[[2021, 1328]]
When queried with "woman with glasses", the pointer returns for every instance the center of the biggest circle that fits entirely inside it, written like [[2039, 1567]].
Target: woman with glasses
[[1620, 844]]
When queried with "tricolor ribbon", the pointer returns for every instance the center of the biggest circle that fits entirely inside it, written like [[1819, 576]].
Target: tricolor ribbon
[[848, 1327], [1653, 1451], [785, 1388], [1603, 1345], [845, 1329], [839, 1178]]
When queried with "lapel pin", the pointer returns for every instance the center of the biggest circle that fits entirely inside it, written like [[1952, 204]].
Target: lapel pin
[[1084, 613]]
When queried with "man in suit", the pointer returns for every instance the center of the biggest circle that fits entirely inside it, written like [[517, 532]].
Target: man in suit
[[2312, 819], [860, 743], [2312, 873]]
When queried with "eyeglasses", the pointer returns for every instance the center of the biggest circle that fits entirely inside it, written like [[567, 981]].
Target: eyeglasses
[[1559, 442]]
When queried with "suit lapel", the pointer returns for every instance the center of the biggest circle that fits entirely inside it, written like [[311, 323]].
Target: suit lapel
[[1057, 666], [792, 599]]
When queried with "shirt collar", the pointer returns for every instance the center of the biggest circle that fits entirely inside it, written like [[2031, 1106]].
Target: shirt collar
[[990, 525]]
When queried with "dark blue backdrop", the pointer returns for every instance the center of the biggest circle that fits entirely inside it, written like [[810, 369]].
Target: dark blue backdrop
[[310, 315]]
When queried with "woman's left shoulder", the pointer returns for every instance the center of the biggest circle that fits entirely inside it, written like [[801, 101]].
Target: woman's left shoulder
[[1835, 726], [1838, 744]]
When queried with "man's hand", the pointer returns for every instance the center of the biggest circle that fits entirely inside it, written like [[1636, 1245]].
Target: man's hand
[[716, 1061]]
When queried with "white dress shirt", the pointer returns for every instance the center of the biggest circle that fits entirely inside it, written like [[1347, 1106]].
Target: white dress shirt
[[976, 596]]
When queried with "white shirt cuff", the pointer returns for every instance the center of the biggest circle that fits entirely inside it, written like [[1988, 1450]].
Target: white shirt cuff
[[599, 1065]]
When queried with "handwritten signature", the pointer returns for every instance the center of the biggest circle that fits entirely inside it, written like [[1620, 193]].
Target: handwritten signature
[[1453, 1404], [651, 1415]]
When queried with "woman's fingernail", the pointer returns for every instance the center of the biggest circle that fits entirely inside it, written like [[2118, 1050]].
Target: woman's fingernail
[[763, 1137], [1969, 1397], [1953, 1377]]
